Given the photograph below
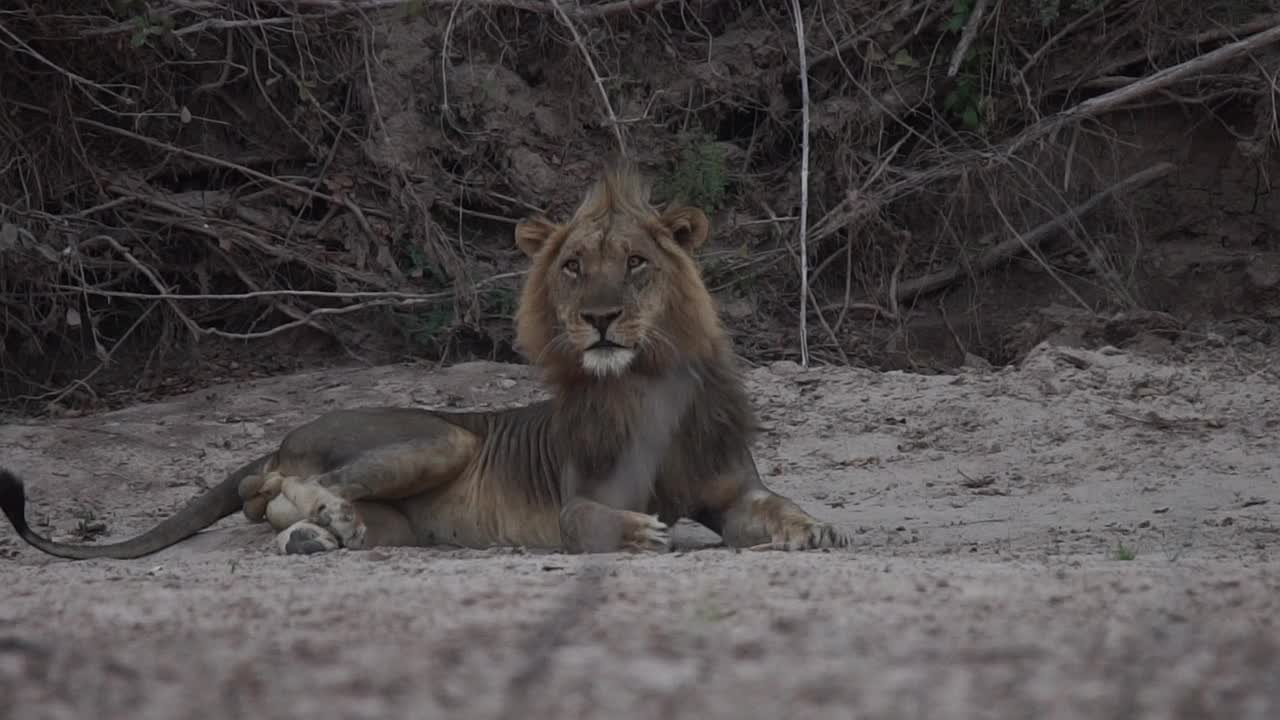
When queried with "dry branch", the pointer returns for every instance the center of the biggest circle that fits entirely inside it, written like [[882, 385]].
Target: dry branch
[[591, 65], [967, 37], [259, 294], [1159, 80], [804, 183], [1005, 250]]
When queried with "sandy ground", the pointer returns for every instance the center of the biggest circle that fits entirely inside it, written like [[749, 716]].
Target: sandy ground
[[1088, 535]]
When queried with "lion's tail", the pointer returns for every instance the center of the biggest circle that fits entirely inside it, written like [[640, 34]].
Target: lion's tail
[[205, 510]]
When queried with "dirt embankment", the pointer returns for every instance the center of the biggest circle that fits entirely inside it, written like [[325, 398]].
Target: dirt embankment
[[1089, 534], [197, 192]]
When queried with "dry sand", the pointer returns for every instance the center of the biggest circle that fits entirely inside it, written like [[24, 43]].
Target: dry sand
[[1088, 535]]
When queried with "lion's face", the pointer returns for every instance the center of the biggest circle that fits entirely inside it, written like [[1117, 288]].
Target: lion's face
[[616, 287]]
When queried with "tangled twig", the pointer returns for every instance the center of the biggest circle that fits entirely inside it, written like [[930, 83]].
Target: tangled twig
[[268, 167], [857, 206], [591, 65], [1002, 251]]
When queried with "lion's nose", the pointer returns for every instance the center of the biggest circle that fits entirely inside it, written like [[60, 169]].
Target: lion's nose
[[601, 320]]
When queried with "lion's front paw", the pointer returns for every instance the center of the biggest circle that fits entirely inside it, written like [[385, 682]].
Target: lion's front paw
[[805, 533], [645, 533]]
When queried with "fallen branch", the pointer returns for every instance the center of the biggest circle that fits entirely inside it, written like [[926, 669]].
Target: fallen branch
[[1003, 251], [1163, 78], [1255, 25]]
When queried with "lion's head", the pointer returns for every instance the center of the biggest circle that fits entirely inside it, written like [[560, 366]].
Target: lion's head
[[615, 290]]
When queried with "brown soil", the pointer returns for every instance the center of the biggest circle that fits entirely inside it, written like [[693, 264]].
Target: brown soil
[[1085, 535]]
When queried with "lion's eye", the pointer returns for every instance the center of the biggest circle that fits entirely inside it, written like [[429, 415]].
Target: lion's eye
[[573, 267], [635, 262]]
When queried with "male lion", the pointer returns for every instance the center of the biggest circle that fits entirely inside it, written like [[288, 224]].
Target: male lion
[[648, 423]]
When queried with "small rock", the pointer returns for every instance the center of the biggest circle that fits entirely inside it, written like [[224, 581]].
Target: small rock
[[784, 367]]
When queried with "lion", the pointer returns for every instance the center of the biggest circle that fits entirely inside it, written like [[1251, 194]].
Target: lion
[[647, 422]]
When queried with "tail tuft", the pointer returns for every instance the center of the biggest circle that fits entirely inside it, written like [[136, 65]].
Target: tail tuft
[[13, 500]]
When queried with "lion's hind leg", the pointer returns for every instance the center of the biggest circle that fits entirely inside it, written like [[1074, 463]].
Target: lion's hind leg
[[354, 502], [335, 482], [311, 515]]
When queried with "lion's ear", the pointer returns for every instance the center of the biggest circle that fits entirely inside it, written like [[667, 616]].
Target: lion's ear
[[688, 225], [531, 234]]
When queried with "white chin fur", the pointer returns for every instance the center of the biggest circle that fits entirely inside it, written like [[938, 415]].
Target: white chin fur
[[604, 362]]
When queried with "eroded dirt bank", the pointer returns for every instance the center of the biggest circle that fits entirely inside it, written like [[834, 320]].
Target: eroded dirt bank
[[1087, 535]]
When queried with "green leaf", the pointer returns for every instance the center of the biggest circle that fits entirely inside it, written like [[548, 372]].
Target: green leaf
[[903, 58], [970, 118]]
